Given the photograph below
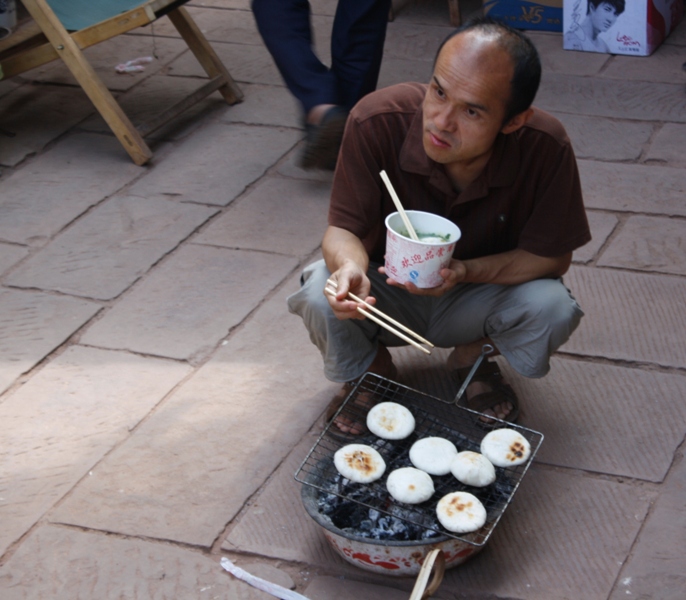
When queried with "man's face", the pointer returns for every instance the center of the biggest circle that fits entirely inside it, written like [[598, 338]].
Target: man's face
[[465, 104], [603, 16]]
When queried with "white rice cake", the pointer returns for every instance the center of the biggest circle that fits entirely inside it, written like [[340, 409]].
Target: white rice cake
[[472, 468], [433, 455], [410, 485], [461, 512], [505, 447], [390, 421], [359, 463]]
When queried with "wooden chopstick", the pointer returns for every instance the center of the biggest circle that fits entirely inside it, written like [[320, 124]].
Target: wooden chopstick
[[334, 285], [385, 325], [399, 206], [332, 292]]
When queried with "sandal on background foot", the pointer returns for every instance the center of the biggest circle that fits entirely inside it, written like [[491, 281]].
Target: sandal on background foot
[[322, 141], [499, 392], [352, 421]]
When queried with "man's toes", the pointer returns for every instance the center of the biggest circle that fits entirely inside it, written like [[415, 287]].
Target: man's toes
[[504, 409], [349, 425], [488, 415]]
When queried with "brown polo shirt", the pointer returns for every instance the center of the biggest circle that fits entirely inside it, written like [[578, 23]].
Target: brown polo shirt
[[528, 196]]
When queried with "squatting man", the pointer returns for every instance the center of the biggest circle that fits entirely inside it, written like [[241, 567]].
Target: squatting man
[[471, 147]]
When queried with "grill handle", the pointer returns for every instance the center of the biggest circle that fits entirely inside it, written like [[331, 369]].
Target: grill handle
[[486, 349], [434, 558]]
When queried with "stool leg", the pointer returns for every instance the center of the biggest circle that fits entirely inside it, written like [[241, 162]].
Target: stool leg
[[455, 16], [205, 54]]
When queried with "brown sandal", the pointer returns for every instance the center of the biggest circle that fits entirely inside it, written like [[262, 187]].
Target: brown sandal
[[489, 374], [362, 403]]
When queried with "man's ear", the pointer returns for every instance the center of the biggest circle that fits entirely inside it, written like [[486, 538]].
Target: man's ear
[[517, 121]]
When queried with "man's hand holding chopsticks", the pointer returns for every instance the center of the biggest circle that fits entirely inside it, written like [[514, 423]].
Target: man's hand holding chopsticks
[[348, 280]]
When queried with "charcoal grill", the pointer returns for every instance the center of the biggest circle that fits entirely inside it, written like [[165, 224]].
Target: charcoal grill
[[433, 417]]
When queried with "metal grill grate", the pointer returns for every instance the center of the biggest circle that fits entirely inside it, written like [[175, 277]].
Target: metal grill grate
[[433, 417]]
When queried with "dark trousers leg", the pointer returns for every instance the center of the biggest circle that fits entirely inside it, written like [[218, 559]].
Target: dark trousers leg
[[357, 41], [285, 28]]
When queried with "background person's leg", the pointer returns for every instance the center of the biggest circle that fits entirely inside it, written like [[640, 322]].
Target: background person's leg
[[286, 30], [357, 42]]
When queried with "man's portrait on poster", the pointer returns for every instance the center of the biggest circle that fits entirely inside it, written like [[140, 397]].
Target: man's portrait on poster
[[590, 20]]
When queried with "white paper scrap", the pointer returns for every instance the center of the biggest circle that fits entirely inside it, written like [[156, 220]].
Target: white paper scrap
[[261, 584]]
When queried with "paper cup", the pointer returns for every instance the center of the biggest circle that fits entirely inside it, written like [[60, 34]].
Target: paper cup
[[420, 262]]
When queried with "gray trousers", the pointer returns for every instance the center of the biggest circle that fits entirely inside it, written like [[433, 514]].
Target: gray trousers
[[526, 322]]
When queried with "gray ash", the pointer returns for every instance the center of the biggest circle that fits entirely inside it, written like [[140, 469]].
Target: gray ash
[[353, 515]]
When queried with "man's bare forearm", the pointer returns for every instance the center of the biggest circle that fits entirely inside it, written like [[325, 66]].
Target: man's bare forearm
[[514, 267], [340, 246]]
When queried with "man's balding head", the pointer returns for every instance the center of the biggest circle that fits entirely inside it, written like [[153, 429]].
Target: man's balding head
[[523, 54]]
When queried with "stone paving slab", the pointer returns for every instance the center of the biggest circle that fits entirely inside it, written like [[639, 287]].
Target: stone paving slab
[[186, 472], [431, 12], [523, 559], [413, 41], [104, 57], [618, 99], [60, 562], [8, 85], [395, 70], [225, 160], [264, 105], [217, 25], [252, 64], [589, 415], [103, 253], [678, 36], [564, 536], [606, 139], [427, 374], [549, 43], [60, 423], [238, 27], [629, 316], [654, 244], [635, 188], [35, 116], [655, 568], [40, 198], [602, 225], [160, 315], [276, 524], [288, 167], [33, 324], [334, 588], [235, 4], [152, 97], [668, 145], [663, 69], [287, 216], [11, 255]]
